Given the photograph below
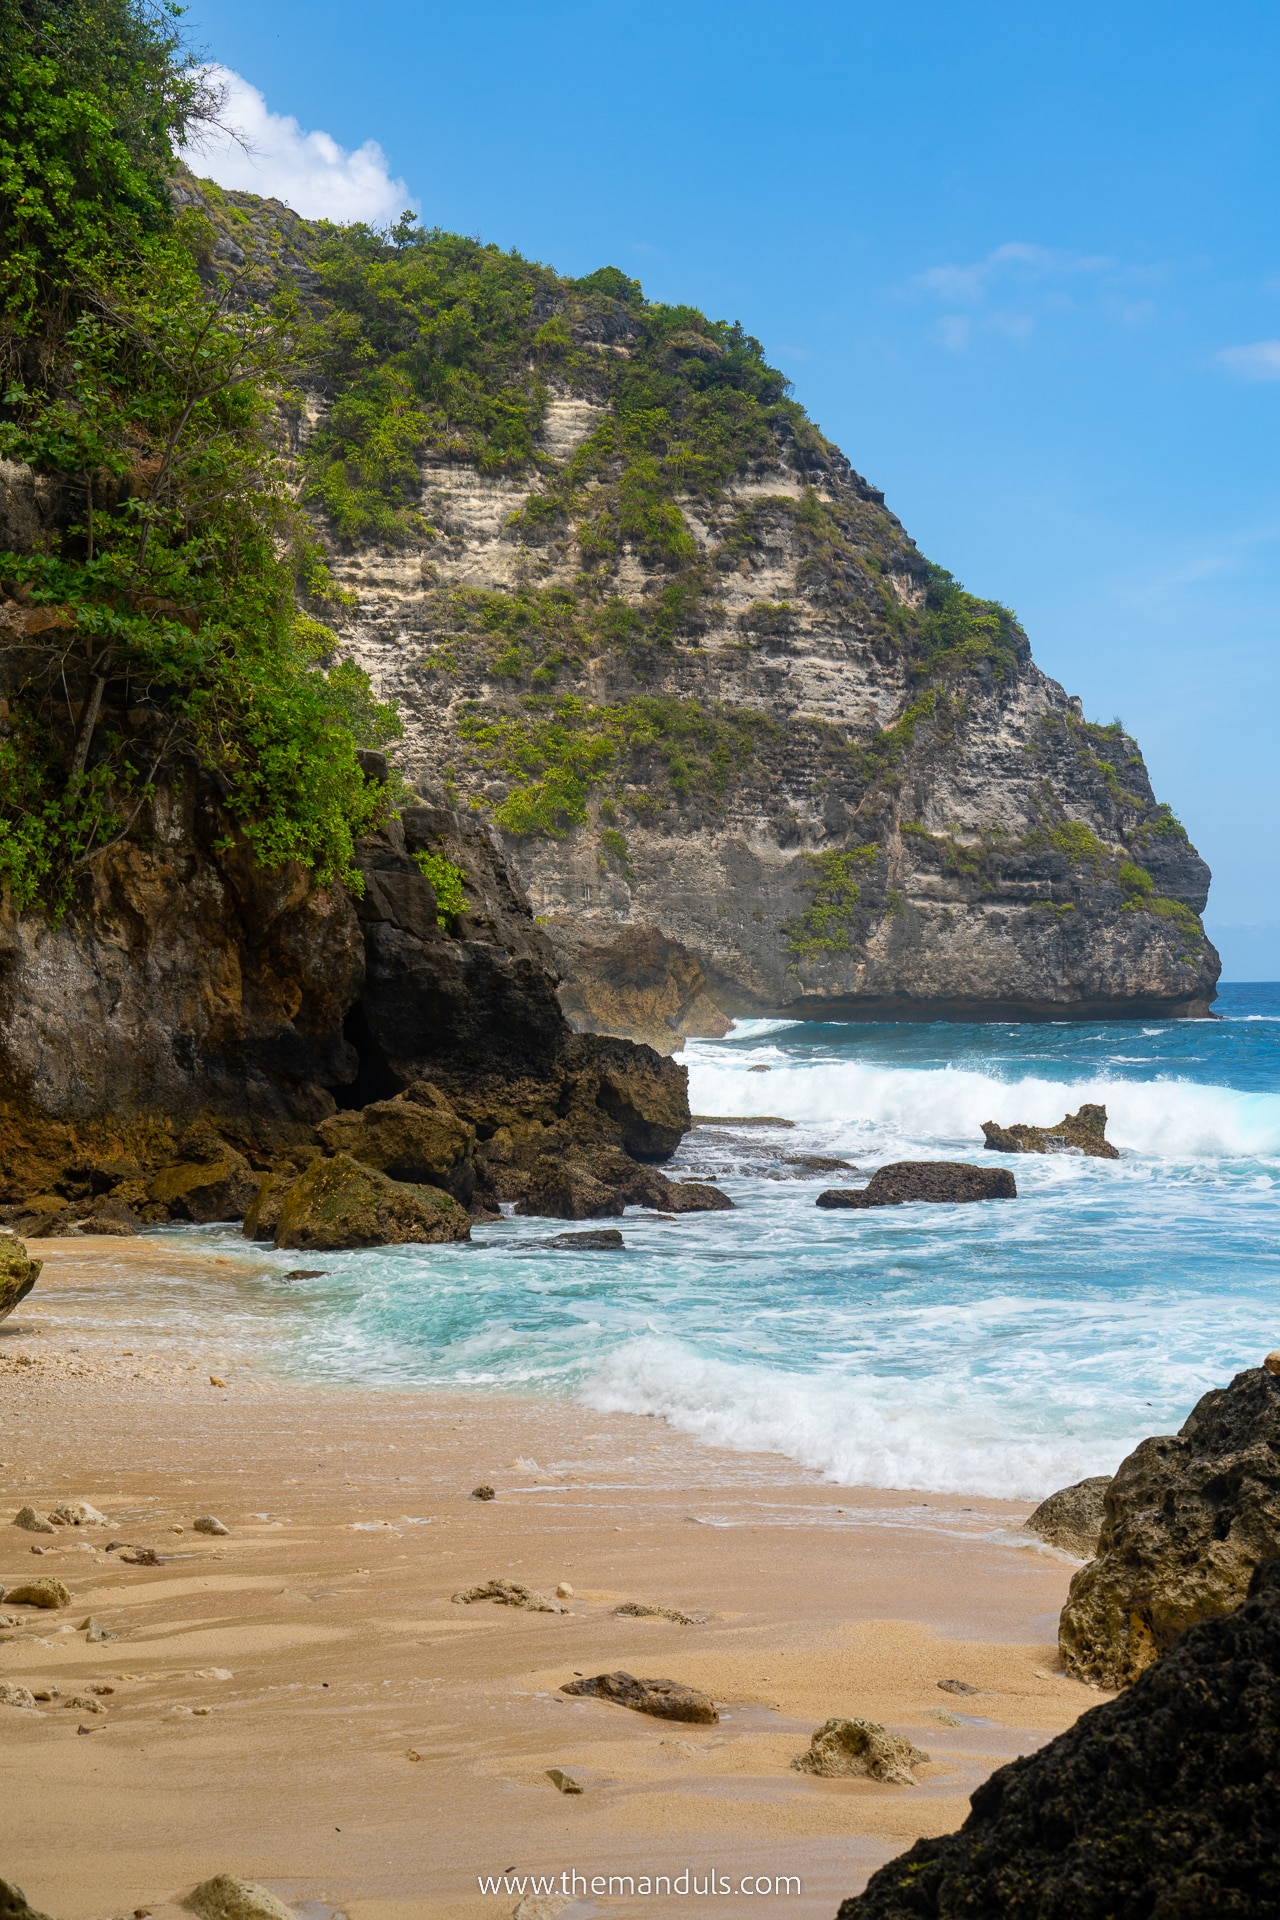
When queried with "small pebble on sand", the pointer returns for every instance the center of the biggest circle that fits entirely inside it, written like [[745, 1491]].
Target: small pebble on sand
[[483, 1493]]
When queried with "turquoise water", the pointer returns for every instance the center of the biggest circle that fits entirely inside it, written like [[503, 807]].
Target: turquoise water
[[1003, 1348]]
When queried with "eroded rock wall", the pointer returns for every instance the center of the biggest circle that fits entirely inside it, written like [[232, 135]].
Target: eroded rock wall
[[973, 899], [184, 987]]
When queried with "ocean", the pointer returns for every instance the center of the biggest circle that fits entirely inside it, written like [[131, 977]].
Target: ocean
[[1003, 1348]]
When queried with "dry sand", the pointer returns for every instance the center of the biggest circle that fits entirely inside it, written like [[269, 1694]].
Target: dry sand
[[302, 1704]]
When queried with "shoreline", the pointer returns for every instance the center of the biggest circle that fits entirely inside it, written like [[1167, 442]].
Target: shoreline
[[328, 1607]]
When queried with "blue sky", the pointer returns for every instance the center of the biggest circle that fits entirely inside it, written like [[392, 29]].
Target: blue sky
[[1021, 262]]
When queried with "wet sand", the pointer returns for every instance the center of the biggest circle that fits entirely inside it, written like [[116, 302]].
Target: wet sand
[[303, 1704]]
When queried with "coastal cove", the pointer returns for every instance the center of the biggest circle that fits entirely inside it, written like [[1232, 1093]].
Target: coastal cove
[[998, 1350]]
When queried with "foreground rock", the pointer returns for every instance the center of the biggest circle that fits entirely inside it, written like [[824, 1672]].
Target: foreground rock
[[33, 1522], [1163, 1803], [338, 1203], [38, 1593], [14, 1904], [1071, 1519], [937, 1180], [1082, 1132], [1188, 1518], [665, 1699], [841, 1748], [225, 1898], [18, 1274]]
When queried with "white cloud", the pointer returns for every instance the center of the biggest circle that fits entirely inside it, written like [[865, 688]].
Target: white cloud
[[1016, 261], [1261, 361], [310, 172], [1007, 292]]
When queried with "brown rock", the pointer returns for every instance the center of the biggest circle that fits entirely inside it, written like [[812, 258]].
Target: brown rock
[[634, 982], [564, 1781], [111, 1216], [665, 1699], [415, 1137], [640, 1610], [1081, 1132], [1072, 1518], [942, 1181], [1188, 1517], [509, 1593], [42, 1216], [14, 1904], [225, 1898], [38, 1593], [213, 1182], [18, 1274], [557, 1190], [262, 1216], [483, 1493], [693, 1196], [841, 1748], [339, 1203], [33, 1522]]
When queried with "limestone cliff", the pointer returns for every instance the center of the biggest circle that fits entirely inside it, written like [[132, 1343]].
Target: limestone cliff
[[637, 611]]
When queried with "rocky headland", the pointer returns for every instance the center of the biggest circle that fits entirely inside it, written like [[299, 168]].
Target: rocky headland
[[747, 749]]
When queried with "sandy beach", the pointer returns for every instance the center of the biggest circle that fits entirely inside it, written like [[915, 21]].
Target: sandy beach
[[302, 1703]]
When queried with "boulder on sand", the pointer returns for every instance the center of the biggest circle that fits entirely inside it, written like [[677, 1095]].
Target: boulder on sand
[[1082, 1132], [1163, 1802], [18, 1274], [841, 1748], [1071, 1519], [210, 1182], [937, 1180], [509, 1593], [226, 1898], [665, 1699], [38, 1593], [1188, 1518], [338, 1203]]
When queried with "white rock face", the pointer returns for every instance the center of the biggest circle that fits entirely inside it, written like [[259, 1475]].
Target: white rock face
[[958, 911]]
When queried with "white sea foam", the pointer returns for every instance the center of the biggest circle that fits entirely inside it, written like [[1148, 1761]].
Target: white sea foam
[[1172, 1119], [870, 1431]]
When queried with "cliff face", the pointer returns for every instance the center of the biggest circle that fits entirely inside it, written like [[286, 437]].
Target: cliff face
[[186, 986], [874, 846], [696, 673]]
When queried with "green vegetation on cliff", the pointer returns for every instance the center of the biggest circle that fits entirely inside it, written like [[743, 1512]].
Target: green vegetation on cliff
[[151, 631]]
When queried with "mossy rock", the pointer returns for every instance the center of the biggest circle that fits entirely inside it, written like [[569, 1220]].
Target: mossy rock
[[214, 1183], [415, 1137], [18, 1274], [339, 1203]]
